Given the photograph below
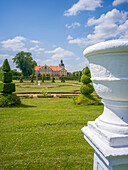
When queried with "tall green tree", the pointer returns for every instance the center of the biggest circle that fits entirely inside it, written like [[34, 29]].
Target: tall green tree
[[25, 63]]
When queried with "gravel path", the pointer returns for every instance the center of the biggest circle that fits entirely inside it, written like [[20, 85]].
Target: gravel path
[[55, 95]]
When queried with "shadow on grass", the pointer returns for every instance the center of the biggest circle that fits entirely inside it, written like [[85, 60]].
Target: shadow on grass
[[24, 106]]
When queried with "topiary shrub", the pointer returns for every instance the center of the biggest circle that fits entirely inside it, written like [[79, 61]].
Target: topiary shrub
[[21, 79], [6, 66], [53, 79], [79, 80], [32, 81], [42, 79], [86, 89], [85, 71], [62, 79], [86, 100], [37, 79], [9, 100], [7, 87], [85, 79]]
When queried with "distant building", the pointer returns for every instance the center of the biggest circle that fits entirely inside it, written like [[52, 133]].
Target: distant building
[[51, 70]]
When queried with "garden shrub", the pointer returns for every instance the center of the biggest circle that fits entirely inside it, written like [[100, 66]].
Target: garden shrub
[[6, 77], [86, 89], [85, 79], [6, 66], [53, 79], [37, 79], [7, 87], [21, 79], [32, 78], [27, 96], [79, 80], [42, 79], [43, 96], [85, 71], [62, 79], [65, 96], [86, 100], [9, 100]]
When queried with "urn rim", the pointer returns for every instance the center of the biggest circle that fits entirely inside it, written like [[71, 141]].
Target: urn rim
[[111, 46]]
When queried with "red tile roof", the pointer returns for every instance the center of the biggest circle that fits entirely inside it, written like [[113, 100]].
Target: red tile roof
[[54, 68], [37, 68]]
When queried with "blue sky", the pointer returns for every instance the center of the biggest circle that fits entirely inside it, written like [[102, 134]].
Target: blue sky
[[59, 29]]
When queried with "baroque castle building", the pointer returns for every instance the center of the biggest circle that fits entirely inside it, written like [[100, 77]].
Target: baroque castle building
[[51, 70]]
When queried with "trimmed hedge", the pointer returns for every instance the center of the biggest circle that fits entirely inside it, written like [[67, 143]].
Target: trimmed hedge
[[7, 87], [53, 80], [85, 79], [9, 100], [86, 89], [26, 96], [6, 77], [47, 96], [21, 79], [86, 100], [6, 66], [65, 96]]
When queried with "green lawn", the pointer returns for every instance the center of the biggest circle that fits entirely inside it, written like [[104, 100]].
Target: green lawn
[[51, 87], [46, 134]]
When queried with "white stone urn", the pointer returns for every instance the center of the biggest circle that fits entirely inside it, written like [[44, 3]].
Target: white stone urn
[[109, 73]]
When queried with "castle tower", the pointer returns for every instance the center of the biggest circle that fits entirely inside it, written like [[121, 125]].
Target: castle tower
[[61, 64]]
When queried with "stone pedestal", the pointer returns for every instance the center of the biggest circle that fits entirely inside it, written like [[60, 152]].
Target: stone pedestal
[[108, 134]]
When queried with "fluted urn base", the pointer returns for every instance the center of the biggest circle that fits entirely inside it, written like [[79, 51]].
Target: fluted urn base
[[108, 135]]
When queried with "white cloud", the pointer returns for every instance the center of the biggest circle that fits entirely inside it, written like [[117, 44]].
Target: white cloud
[[9, 57], [118, 2], [34, 41], [79, 41], [36, 49], [69, 37], [4, 56], [78, 58], [111, 25], [14, 44], [123, 30], [82, 5], [59, 53], [42, 62], [73, 25], [107, 25], [78, 67]]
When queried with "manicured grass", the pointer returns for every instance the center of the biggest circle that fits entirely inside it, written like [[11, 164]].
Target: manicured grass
[[49, 88], [46, 134]]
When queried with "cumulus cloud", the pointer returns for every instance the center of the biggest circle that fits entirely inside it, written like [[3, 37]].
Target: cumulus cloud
[[73, 25], [78, 66], [9, 57], [69, 37], [4, 56], [36, 49], [113, 24], [59, 53], [15, 44], [43, 62], [82, 5], [118, 2], [34, 41]]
